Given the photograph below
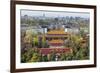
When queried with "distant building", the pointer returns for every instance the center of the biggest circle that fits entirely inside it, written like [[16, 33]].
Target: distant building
[[72, 28]]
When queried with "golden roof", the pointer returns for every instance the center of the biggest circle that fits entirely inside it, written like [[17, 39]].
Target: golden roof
[[56, 36], [56, 41], [56, 32]]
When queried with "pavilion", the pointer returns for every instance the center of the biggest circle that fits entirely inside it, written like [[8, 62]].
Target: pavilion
[[56, 39]]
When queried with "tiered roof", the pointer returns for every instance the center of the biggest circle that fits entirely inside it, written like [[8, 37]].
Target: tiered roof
[[56, 42], [56, 32]]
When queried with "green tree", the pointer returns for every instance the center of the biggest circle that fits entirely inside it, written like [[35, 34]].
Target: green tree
[[29, 36], [43, 41], [35, 41]]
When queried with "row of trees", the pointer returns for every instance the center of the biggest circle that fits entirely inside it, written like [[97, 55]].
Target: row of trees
[[33, 39], [34, 55], [80, 46]]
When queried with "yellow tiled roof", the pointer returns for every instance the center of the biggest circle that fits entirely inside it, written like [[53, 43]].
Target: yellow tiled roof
[[56, 41], [56, 32]]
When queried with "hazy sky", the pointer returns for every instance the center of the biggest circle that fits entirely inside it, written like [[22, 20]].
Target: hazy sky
[[54, 13]]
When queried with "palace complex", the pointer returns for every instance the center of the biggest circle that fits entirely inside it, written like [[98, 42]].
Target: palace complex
[[56, 40]]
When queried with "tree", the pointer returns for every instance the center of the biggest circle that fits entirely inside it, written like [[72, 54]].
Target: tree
[[29, 36], [35, 41], [25, 57], [43, 41], [35, 57]]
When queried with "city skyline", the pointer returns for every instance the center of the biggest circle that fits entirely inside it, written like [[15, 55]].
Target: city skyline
[[38, 13]]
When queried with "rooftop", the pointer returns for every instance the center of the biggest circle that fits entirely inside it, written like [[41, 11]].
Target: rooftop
[[56, 32], [56, 41]]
